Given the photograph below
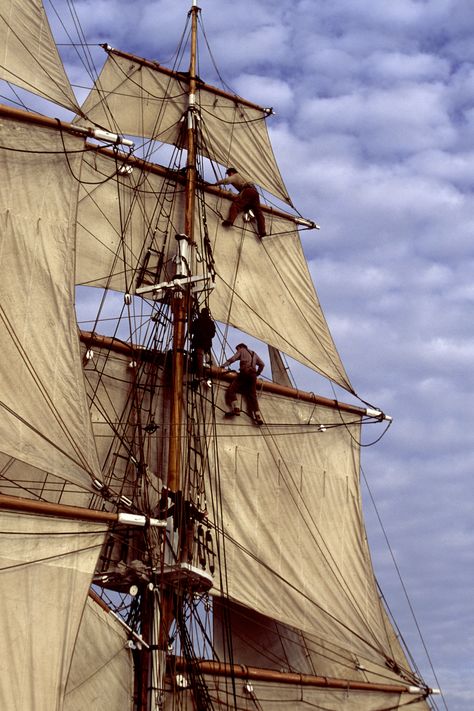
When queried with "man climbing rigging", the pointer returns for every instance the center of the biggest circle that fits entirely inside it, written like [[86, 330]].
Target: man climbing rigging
[[247, 199], [245, 383], [202, 330]]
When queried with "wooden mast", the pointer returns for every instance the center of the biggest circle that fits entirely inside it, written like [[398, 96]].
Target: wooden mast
[[169, 598], [180, 298]]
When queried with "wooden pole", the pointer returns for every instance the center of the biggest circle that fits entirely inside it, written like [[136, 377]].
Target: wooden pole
[[91, 339], [241, 671], [181, 298]]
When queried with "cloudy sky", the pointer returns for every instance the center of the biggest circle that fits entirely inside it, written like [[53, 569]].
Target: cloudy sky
[[374, 134]]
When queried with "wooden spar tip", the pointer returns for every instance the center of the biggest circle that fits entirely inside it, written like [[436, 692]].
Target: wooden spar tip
[[32, 506], [241, 671], [100, 134]]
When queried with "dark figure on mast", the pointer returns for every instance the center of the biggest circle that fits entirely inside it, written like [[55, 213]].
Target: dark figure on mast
[[202, 330], [245, 383], [247, 199]]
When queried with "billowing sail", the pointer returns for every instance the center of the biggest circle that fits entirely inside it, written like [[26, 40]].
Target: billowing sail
[[28, 54], [46, 567], [261, 287], [143, 99], [292, 519], [45, 422]]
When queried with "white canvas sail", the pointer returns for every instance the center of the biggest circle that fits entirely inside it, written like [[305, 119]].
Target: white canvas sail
[[28, 54], [292, 519], [101, 673], [45, 421], [46, 566], [233, 131]]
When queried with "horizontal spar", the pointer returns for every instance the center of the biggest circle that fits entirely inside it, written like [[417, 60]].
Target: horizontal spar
[[241, 671], [92, 339], [15, 503]]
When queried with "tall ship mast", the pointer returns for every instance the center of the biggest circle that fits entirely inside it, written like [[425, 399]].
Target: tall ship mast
[[155, 552]]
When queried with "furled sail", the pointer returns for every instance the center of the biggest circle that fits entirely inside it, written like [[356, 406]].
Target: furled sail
[[45, 422], [29, 56], [141, 98], [46, 566], [119, 223]]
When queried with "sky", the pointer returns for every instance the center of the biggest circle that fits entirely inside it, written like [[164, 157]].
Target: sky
[[374, 135]]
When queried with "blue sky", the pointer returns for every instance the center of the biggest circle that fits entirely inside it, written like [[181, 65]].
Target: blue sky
[[374, 134]]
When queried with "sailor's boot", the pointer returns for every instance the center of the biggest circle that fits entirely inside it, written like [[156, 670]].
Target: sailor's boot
[[258, 418]]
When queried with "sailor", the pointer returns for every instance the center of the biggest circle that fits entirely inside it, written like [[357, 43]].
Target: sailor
[[245, 383], [247, 199], [202, 330]]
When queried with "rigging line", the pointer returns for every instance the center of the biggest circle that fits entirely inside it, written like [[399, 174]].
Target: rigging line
[[369, 405], [104, 408], [416, 675], [401, 582], [214, 64], [42, 67], [343, 423], [19, 101], [38, 496], [86, 56], [42, 152], [81, 461], [47, 534], [231, 122], [76, 178]]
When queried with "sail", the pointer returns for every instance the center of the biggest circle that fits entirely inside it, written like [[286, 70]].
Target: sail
[[29, 56], [266, 520], [279, 371], [292, 519], [45, 422], [141, 98], [101, 670], [46, 567], [119, 223]]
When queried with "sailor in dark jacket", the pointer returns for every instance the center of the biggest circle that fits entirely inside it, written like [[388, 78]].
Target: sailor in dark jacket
[[203, 330]]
